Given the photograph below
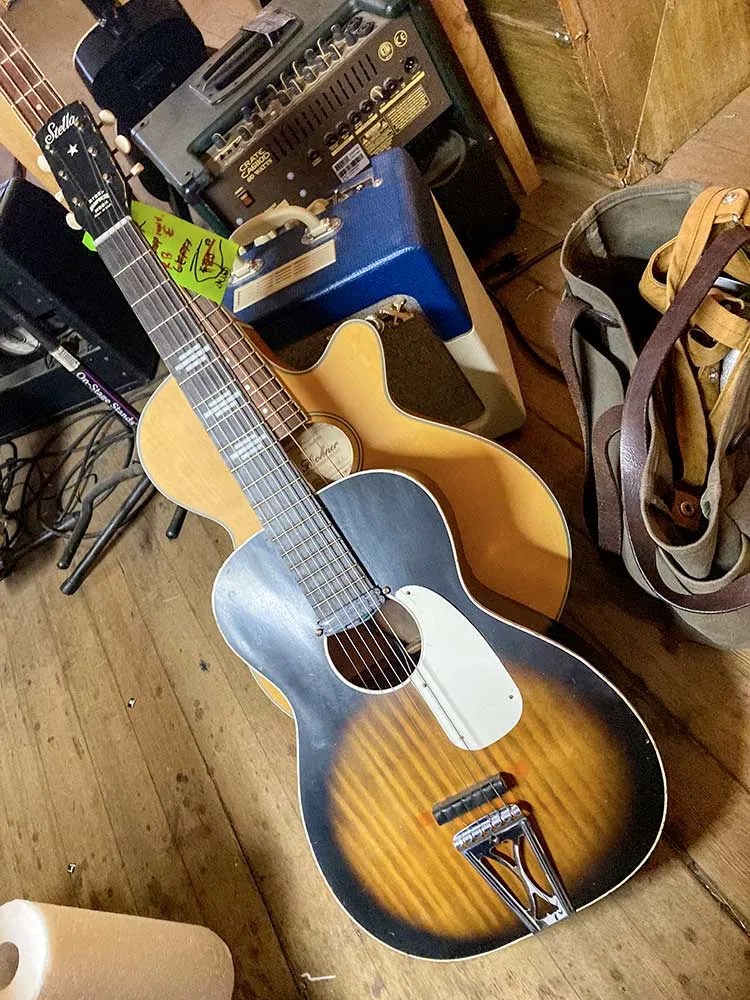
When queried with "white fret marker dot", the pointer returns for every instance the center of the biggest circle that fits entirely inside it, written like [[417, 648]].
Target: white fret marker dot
[[38, 107], [264, 409]]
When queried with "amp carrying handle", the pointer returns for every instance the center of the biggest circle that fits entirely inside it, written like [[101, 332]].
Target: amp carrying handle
[[634, 437]]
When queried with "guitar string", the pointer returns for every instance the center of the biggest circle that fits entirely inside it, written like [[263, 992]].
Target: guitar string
[[41, 110], [253, 352], [373, 636], [42, 101], [201, 316], [404, 657], [41, 105]]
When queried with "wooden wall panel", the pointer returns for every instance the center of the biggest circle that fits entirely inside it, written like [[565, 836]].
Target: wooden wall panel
[[551, 85], [630, 83], [702, 62]]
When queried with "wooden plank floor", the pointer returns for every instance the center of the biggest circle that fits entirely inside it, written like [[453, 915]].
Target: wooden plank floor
[[184, 805]]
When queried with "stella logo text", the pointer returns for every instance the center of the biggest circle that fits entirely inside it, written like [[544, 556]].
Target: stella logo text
[[56, 129]]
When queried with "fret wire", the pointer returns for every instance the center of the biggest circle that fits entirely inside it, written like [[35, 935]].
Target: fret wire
[[289, 402], [280, 513], [296, 546], [167, 320], [272, 496], [234, 469], [237, 362], [24, 95], [281, 389], [186, 342], [333, 593], [132, 263], [48, 106], [222, 388], [303, 578], [151, 291], [241, 339]]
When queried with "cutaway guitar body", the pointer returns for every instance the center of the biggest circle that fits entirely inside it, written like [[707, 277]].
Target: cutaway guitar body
[[377, 768], [513, 537]]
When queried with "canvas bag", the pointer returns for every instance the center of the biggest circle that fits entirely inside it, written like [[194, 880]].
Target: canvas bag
[[657, 361]]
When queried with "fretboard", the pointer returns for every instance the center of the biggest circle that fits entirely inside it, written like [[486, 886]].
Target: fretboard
[[22, 83], [203, 347]]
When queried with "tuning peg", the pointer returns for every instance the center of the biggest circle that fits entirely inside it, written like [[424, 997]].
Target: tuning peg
[[72, 221], [136, 169], [106, 117], [41, 162], [123, 144], [59, 196]]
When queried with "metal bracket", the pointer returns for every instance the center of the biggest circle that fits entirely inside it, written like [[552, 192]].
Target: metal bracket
[[563, 38], [480, 844]]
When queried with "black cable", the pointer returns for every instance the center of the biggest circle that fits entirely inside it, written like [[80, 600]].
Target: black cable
[[523, 342], [491, 285], [41, 495]]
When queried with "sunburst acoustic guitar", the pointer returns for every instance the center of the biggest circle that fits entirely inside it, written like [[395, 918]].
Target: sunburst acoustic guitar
[[464, 782], [514, 539]]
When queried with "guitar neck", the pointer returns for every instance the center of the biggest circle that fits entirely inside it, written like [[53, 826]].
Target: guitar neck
[[247, 419], [23, 85]]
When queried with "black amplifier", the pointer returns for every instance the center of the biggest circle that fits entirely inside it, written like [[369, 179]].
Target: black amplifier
[[305, 94], [48, 276]]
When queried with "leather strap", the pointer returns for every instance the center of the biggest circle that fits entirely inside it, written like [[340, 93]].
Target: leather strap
[[608, 502], [634, 436], [564, 323]]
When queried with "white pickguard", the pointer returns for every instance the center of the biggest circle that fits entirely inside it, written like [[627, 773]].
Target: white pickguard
[[459, 676]]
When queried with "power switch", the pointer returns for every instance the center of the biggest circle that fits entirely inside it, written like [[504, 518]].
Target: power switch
[[244, 196]]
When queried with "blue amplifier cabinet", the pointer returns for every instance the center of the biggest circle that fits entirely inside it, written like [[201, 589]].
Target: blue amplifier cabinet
[[390, 242]]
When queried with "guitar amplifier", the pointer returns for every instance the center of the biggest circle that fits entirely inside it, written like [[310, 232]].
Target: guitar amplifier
[[304, 96], [390, 244], [133, 57], [48, 275]]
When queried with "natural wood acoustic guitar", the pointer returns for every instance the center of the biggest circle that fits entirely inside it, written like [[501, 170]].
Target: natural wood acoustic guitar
[[514, 539], [464, 781], [339, 418]]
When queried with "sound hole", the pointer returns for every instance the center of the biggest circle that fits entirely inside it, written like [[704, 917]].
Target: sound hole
[[379, 654]]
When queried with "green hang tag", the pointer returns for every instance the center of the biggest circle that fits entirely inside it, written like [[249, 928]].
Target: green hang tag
[[196, 259]]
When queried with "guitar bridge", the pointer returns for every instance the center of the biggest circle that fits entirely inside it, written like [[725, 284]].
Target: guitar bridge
[[482, 843]]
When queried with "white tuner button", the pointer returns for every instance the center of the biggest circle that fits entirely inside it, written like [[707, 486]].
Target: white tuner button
[[123, 144], [72, 221], [106, 117], [41, 162], [59, 196], [136, 169]]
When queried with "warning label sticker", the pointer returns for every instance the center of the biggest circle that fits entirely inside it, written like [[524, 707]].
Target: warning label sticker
[[353, 162], [378, 138], [401, 115]]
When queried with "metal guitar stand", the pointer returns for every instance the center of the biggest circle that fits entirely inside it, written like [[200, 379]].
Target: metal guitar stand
[[142, 491]]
